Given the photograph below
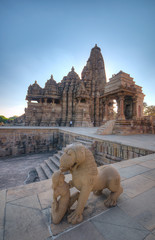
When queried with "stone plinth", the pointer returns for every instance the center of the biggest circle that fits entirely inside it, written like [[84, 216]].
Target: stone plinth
[[27, 209]]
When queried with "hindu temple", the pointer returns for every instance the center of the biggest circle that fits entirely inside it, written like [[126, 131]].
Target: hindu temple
[[87, 101]]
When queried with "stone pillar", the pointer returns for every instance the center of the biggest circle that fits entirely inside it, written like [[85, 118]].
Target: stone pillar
[[106, 110], [121, 110], [45, 100], [135, 108], [64, 107]]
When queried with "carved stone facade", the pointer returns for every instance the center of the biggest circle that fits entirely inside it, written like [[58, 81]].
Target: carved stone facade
[[87, 101]]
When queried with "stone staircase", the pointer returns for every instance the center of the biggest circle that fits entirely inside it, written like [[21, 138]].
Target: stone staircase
[[88, 143], [107, 128], [49, 166]]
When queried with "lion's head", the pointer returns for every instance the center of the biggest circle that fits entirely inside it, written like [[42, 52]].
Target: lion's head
[[74, 154]]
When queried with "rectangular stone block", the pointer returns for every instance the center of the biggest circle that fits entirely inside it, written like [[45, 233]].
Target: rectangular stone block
[[2, 210], [116, 224], [137, 185]]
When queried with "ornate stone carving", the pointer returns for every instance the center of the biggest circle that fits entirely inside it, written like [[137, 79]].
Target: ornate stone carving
[[86, 177]]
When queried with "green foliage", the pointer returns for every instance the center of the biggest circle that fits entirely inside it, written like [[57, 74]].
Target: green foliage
[[149, 110], [13, 118], [3, 119]]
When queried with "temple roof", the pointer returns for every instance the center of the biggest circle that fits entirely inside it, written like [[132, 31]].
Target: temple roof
[[94, 71], [81, 91], [71, 79], [51, 87], [34, 89], [72, 75]]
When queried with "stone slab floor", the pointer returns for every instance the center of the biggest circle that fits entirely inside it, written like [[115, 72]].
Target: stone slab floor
[[25, 210], [14, 170]]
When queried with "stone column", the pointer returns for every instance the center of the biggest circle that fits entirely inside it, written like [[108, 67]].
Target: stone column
[[64, 107], [134, 108], [121, 110], [106, 110]]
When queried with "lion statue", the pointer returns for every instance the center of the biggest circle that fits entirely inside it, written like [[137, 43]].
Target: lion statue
[[86, 177]]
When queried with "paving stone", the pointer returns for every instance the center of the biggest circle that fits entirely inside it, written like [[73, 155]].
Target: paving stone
[[27, 190], [142, 208], [136, 185], [2, 212], [150, 174], [83, 231], [149, 164], [153, 232], [132, 171], [30, 202], [2, 207], [150, 237], [94, 206], [25, 223], [46, 199], [1, 234], [116, 224]]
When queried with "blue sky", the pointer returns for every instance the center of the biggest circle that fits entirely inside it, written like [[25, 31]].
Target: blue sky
[[43, 37]]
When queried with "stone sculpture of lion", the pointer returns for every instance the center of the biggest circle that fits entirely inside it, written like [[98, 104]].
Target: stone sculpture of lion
[[86, 177]]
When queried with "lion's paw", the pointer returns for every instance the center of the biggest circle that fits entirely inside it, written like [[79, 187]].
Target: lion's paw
[[75, 218], [110, 202]]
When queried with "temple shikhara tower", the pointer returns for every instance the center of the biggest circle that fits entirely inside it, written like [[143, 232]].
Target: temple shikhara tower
[[87, 101]]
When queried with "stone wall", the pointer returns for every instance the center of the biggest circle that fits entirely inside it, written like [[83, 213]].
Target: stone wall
[[17, 141], [104, 151]]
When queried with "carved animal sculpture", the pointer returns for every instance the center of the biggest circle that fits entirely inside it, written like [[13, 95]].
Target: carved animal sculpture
[[86, 177], [62, 201]]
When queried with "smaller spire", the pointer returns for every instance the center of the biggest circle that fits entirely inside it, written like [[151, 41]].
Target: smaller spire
[[51, 76], [35, 82], [96, 45], [72, 69]]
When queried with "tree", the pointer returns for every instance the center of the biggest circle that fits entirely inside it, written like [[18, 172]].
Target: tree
[[149, 110], [3, 119]]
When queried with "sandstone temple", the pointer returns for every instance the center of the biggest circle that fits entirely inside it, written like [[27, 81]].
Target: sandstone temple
[[87, 101]]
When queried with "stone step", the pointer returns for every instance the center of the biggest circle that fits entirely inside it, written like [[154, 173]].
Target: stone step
[[41, 173], [49, 166], [57, 155], [54, 160], [107, 128], [83, 142], [47, 171], [52, 165], [61, 152]]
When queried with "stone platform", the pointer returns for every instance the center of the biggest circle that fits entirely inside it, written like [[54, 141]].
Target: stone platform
[[25, 210], [143, 141]]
